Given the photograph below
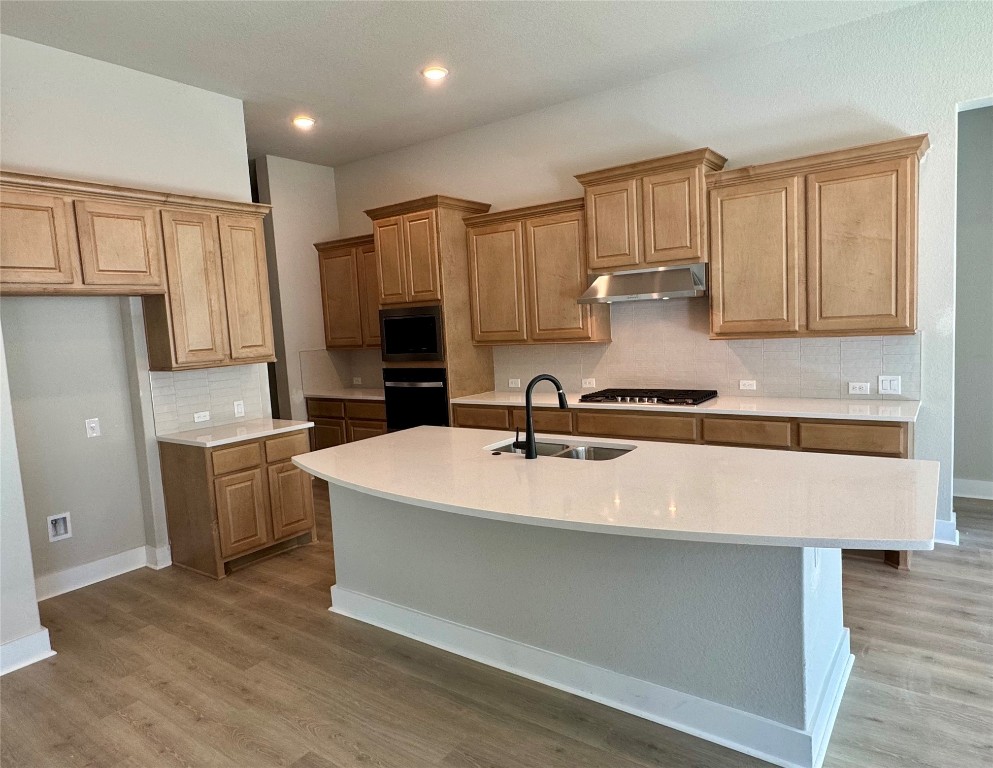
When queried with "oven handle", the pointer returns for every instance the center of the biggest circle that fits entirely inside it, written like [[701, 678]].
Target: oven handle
[[434, 384]]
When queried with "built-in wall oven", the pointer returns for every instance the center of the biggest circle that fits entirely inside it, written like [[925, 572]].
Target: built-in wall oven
[[415, 396], [411, 334]]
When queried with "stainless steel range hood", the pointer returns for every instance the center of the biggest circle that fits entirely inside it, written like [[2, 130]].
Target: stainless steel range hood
[[684, 281]]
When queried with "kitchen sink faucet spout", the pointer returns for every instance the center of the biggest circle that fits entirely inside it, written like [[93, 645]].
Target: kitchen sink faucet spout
[[531, 448]]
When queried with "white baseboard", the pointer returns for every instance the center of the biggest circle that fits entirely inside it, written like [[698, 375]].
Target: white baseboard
[[972, 489], [945, 531], [158, 557], [58, 583], [25, 650], [757, 736]]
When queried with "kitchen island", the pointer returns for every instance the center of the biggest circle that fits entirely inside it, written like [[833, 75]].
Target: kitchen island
[[695, 586]]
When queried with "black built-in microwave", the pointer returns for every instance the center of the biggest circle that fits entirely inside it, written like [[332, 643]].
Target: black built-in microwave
[[411, 334]]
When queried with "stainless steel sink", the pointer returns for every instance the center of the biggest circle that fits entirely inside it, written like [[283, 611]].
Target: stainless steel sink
[[578, 451]]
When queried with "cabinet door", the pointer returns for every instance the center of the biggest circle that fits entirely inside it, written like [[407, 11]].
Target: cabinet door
[[241, 512], [420, 243], [291, 500], [612, 224], [496, 283], [118, 243], [368, 295], [389, 254], [246, 287], [329, 433], [671, 216], [756, 239], [556, 277], [360, 430], [35, 239], [193, 275], [861, 247], [340, 294]]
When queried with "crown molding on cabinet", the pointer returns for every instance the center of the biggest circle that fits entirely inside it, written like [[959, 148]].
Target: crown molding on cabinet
[[424, 203], [712, 161], [345, 242], [528, 212]]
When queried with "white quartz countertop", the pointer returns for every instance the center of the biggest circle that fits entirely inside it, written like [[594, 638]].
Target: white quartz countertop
[[222, 434], [658, 490], [790, 407], [346, 393]]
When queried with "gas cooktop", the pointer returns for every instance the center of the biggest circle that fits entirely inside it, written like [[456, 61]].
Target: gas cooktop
[[650, 396]]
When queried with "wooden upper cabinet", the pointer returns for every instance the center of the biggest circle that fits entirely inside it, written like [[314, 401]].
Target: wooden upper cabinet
[[555, 264], [837, 230], [340, 293], [672, 215], [649, 213], [36, 243], [496, 283], [196, 296], [349, 293], [420, 245], [246, 287], [527, 270], [613, 224], [368, 294], [392, 273], [756, 232], [861, 241], [118, 243]]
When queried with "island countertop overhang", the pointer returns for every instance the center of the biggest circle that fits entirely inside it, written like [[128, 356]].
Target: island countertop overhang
[[658, 490]]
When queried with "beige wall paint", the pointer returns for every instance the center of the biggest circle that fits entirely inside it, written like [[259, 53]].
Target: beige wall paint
[[75, 117], [894, 74], [974, 307], [304, 212]]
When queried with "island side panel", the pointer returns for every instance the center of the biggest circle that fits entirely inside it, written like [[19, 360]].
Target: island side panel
[[720, 622]]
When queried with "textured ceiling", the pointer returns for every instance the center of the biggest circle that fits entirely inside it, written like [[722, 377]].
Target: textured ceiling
[[354, 65]]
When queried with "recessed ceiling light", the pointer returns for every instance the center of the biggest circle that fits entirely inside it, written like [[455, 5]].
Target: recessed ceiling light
[[304, 122], [435, 73]]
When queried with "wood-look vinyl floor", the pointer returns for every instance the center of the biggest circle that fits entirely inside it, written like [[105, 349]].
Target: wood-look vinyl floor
[[167, 668]]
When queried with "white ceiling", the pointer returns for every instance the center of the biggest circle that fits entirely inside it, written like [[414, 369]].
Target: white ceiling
[[354, 65]]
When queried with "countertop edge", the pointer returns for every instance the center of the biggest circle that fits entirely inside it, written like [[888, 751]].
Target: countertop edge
[[167, 438]]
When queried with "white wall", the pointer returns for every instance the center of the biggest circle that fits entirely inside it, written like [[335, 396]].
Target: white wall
[[974, 308], [891, 75], [304, 212], [75, 117]]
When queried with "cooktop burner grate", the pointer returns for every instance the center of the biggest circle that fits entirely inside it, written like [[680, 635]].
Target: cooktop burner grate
[[650, 396]]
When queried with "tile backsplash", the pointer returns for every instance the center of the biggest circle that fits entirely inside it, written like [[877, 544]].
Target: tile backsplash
[[177, 396], [667, 344]]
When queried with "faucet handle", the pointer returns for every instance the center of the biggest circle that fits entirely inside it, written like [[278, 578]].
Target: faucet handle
[[519, 445]]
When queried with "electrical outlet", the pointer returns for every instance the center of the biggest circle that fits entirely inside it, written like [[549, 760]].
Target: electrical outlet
[[514, 383], [59, 527], [92, 427], [746, 384], [889, 385], [589, 383], [858, 387], [356, 381], [201, 416], [239, 407]]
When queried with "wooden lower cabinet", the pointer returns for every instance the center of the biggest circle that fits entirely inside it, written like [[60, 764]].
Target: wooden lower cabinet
[[338, 421], [235, 500]]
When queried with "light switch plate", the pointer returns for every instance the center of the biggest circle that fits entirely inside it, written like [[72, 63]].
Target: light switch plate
[[589, 383], [858, 387], [201, 416], [514, 383], [889, 385], [747, 384], [239, 407], [92, 427]]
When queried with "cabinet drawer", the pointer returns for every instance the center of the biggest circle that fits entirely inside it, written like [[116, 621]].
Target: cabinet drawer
[[637, 426], [881, 439], [360, 430], [482, 417], [283, 447], [556, 420], [328, 409], [237, 457], [775, 434], [370, 410]]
